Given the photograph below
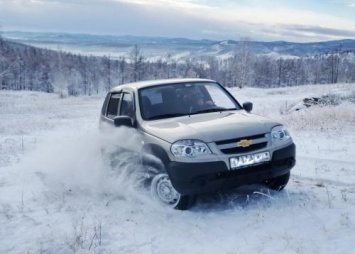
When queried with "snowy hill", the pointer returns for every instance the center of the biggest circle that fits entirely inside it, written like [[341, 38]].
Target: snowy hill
[[58, 194], [117, 46]]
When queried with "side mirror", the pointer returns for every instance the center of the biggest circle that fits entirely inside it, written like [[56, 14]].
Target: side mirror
[[122, 121], [248, 106]]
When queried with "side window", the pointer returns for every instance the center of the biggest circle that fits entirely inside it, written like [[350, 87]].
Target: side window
[[112, 109], [104, 106], [127, 107]]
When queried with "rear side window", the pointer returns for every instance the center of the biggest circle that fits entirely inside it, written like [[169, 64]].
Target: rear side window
[[104, 106], [112, 109]]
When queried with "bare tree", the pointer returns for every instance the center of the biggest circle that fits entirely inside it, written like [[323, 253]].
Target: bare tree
[[243, 55], [107, 72], [3, 68], [60, 83], [136, 63], [122, 68], [168, 65], [334, 65], [30, 68]]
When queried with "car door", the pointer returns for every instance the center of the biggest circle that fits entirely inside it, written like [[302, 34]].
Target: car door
[[118, 104], [110, 109]]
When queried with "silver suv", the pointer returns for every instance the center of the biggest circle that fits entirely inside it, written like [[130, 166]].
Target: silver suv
[[198, 138]]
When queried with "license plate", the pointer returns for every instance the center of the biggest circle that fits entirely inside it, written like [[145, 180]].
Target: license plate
[[249, 160]]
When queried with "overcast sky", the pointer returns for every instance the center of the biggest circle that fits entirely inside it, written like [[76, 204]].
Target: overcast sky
[[262, 20]]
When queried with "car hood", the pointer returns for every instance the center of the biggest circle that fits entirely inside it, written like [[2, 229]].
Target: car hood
[[209, 127]]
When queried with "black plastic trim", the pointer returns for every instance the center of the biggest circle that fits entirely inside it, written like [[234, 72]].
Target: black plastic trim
[[207, 177]]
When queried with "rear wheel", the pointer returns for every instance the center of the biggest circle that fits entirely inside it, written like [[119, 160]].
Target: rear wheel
[[163, 190], [278, 183]]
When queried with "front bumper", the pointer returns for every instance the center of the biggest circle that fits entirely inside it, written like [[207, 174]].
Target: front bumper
[[207, 177]]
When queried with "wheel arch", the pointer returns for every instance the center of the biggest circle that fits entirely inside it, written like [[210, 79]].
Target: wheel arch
[[155, 156]]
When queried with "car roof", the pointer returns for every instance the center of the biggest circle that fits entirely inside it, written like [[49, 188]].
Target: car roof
[[148, 83]]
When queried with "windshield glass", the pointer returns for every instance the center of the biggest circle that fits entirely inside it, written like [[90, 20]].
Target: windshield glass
[[174, 100]]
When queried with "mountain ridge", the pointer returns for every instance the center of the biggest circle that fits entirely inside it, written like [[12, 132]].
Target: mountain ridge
[[158, 46]]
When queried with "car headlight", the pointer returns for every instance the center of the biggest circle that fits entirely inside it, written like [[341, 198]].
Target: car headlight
[[280, 135], [189, 148]]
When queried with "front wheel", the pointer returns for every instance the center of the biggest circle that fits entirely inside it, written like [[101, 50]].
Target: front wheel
[[278, 183], [162, 189]]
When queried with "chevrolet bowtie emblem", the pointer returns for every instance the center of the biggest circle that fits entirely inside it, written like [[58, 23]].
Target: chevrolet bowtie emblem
[[244, 143]]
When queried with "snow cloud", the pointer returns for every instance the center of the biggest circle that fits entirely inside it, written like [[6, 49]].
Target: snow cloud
[[258, 19]]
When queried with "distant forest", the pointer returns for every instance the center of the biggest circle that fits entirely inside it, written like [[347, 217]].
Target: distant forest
[[25, 67]]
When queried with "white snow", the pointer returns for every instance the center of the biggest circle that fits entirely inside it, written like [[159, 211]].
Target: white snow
[[276, 55], [59, 195]]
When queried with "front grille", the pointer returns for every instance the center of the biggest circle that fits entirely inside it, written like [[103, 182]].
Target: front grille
[[236, 140], [230, 146], [244, 149]]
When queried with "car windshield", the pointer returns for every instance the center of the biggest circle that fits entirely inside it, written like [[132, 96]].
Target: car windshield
[[175, 100]]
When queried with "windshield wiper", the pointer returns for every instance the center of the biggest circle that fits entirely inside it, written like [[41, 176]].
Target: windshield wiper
[[210, 110]]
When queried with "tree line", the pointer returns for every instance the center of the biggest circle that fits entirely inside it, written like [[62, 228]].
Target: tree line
[[25, 67]]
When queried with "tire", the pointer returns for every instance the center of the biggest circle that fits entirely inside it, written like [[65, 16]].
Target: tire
[[162, 190], [278, 183]]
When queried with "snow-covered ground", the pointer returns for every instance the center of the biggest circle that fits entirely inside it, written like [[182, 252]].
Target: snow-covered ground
[[58, 195]]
